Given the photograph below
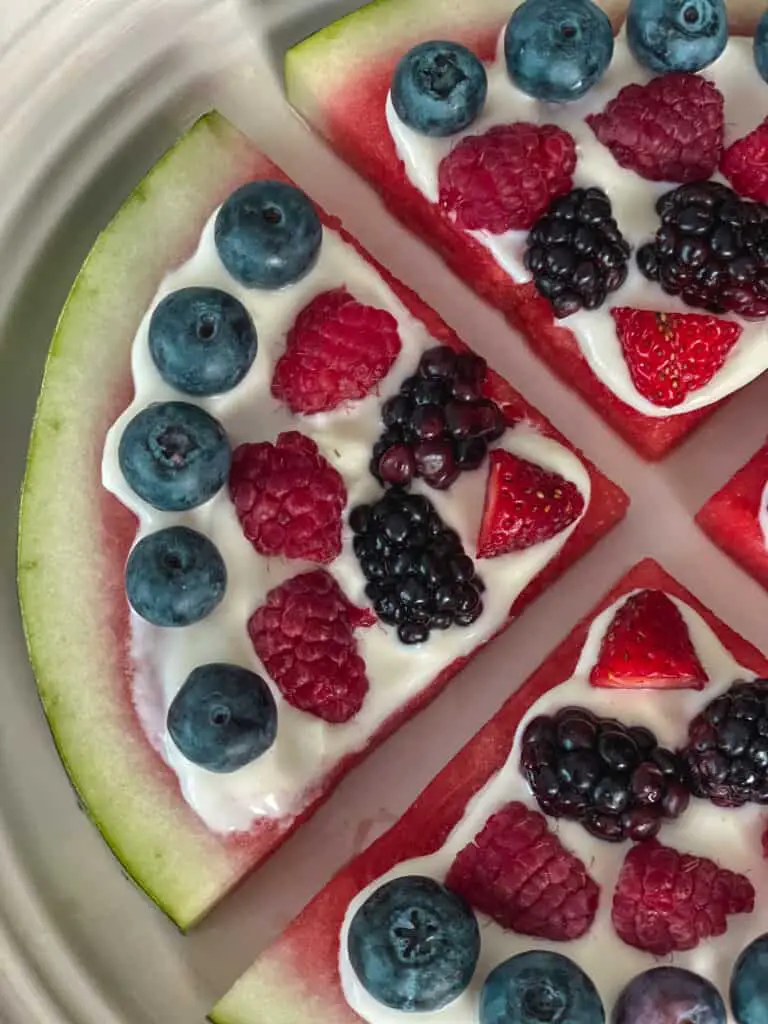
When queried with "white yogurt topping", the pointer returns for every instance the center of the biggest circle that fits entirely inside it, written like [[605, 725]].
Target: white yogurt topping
[[762, 514], [730, 837], [282, 781], [632, 198]]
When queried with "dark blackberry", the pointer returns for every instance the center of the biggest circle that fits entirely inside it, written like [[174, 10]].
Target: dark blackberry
[[616, 780], [726, 757], [419, 577], [711, 249], [439, 424], [576, 252]]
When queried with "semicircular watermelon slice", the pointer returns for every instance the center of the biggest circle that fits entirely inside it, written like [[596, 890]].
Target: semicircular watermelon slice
[[75, 537], [297, 978]]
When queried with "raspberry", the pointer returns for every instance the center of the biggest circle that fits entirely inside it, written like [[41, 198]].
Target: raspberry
[[304, 636], [668, 130], [764, 841], [288, 498], [506, 178], [338, 350], [745, 164], [519, 873], [667, 901]]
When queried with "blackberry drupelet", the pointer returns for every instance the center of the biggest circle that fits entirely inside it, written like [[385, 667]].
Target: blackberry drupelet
[[726, 757], [439, 424], [616, 780], [419, 577], [576, 252], [711, 249]]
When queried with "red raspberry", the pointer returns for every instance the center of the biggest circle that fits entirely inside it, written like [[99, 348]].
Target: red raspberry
[[519, 873], [764, 841], [667, 901], [668, 130], [304, 636], [337, 351], [745, 164], [288, 498], [507, 177]]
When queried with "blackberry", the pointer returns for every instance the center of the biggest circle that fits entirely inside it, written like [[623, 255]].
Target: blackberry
[[419, 576], [576, 252], [439, 424], [615, 779], [726, 757], [711, 249]]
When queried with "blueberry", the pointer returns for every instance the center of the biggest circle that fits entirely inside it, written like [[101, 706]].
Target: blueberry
[[539, 987], [668, 994], [557, 49], [175, 577], [414, 944], [223, 717], [268, 234], [749, 983], [202, 340], [760, 46], [677, 35], [439, 88], [174, 455]]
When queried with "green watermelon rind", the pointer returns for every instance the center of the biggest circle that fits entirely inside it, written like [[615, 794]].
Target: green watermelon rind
[[121, 782]]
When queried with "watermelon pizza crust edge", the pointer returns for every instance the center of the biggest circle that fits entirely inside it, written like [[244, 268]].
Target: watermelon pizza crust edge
[[337, 80], [296, 978], [74, 536]]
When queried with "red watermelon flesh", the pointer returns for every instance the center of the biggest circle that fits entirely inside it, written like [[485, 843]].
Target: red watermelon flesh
[[730, 517], [338, 80], [129, 792], [296, 979]]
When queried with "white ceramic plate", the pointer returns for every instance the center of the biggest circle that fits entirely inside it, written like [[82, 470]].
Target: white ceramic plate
[[91, 92]]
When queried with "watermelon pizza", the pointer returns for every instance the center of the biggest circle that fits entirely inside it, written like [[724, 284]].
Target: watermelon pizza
[[268, 464], [581, 183], [577, 845]]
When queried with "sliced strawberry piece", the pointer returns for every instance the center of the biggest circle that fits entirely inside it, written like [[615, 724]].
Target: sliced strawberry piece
[[524, 505], [671, 354], [745, 164], [647, 646]]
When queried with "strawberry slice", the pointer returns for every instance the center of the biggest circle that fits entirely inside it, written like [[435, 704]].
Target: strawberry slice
[[647, 646], [524, 505], [745, 164], [671, 354]]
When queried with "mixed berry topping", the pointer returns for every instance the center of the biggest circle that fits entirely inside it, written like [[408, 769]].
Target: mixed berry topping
[[419, 576], [647, 645], [670, 995], [525, 504], [677, 35], [439, 88], [726, 756], [711, 250], [668, 130], [288, 498], [745, 164], [669, 355], [505, 179], [438, 424], [337, 351], [666, 901], [576, 252], [520, 874], [616, 780], [304, 636], [541, 987]]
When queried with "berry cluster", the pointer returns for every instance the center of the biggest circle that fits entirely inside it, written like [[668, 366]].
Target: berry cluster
[[711, 249], [438, 424], [576, 252], [617, 781], [419, 577]]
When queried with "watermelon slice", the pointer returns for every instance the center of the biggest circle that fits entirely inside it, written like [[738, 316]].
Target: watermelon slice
[[338, 80], [75, 537], [296, 979], [730, 517]]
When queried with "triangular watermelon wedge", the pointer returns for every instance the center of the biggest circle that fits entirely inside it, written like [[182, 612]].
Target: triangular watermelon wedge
[[338, 80], [75, 537], [731, 517], [296, 979]]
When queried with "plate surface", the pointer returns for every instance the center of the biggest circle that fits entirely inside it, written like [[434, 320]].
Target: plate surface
[[92, 93]]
